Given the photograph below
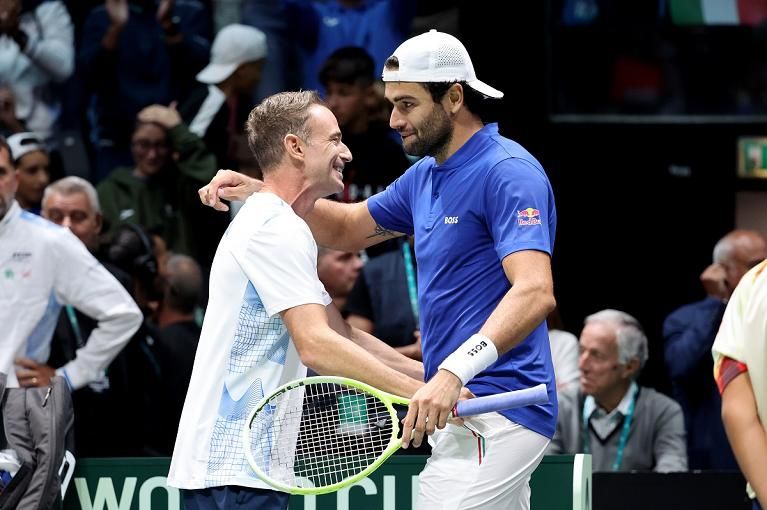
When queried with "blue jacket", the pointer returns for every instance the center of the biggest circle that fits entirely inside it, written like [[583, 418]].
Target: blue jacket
[[143, 69], [379, 26], [689, 333]]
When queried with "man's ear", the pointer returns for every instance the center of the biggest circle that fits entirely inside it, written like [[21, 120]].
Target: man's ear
[[293, 146], [454, 97], [631, 369]]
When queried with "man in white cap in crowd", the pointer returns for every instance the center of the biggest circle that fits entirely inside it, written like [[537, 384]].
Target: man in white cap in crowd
[[482, 211], [213, 111]]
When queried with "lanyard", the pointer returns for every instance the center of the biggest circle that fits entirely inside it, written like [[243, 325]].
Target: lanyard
[[75, 325], [411, 285], [624, 431]]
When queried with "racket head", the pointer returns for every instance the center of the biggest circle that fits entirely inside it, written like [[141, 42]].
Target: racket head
[[319, 434]]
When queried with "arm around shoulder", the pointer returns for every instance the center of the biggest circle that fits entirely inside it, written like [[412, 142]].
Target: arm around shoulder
[[346, 227]]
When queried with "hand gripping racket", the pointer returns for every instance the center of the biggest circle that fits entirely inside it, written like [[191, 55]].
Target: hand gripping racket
[[319, 434]]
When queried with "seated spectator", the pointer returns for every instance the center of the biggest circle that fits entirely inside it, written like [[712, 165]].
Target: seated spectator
[[47, 268], [139, 371], [564, 353], [217, 111], [31, 160], [349, 77], [338, 270], [740, 351], [689, 333], [384, 301], [37, 48], [159, 192], [177, 336], [135, 53], [624, 426]]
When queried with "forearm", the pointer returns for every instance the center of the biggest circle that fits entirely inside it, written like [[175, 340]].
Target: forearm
[[328, 224], [104, 343], [345, 227], [746, 433], [327, 353], [382, 351], [749, 444], [195, 159], [412, 351], [390, 356], [522, 309]]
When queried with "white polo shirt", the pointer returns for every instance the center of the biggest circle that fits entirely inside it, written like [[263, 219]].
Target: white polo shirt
[[266, 262]]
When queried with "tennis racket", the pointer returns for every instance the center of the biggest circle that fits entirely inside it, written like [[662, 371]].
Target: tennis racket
[[319, 434]]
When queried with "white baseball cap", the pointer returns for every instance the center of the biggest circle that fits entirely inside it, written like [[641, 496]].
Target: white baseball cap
[[22, 144], [234, 45], [436, 57]]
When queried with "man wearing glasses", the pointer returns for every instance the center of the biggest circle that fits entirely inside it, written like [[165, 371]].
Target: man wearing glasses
[[170, 163]]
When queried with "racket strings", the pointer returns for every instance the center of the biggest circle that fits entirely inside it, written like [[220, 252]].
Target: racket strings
[[319, 434]]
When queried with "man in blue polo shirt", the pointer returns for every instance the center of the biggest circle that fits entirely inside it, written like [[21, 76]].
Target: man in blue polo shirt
[[482, 212]]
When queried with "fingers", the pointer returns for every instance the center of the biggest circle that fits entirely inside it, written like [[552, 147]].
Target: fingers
[[27, 377], [27, 363], [408, 423], [210, 195]]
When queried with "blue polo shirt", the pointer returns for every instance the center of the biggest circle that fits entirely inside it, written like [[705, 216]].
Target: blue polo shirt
[[488, 200]]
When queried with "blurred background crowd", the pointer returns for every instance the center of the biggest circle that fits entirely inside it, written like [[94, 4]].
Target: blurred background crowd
[[117, 111]]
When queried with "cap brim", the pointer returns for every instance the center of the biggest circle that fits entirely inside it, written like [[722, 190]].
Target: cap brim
[[216, 73], [484, 88]]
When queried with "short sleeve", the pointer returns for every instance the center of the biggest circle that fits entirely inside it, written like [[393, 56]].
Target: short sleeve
[[280, 259], [519, 208], [393, 208]]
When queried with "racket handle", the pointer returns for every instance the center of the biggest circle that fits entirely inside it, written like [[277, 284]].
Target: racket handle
[[502, 401]]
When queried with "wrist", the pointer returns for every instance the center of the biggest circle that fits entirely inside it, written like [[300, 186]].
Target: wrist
[[472, 357]]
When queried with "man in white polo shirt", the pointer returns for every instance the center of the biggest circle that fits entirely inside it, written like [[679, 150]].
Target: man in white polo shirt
[[268, 315]]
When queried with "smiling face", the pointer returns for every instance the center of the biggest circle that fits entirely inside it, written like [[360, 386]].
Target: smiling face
[[425, 126], [326, 154], [150, 149]]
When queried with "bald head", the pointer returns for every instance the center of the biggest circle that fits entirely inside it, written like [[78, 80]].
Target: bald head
[[739, 251]]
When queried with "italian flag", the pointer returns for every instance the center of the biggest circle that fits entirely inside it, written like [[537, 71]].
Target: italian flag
[[718, 12]]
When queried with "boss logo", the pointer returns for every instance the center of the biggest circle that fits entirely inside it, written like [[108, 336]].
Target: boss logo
[[474, 350], [451, 220]]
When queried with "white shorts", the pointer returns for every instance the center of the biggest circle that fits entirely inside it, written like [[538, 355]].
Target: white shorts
[[486, 468]]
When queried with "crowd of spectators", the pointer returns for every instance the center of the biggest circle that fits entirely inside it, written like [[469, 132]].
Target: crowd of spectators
[[157, 92]]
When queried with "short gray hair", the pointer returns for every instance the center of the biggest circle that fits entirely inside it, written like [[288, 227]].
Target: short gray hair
[[69, 186], [632, 342]]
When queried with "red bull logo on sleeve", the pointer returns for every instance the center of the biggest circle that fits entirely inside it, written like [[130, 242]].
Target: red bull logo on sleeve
[[529, 216]]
